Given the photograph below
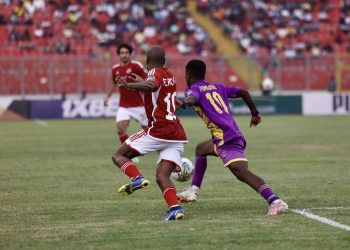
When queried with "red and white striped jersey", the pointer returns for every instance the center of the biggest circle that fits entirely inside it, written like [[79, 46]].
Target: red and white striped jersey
[[163, 123], [128, 97]]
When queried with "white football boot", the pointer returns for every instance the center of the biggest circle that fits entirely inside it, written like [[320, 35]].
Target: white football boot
[[189, 195], [277, 207]]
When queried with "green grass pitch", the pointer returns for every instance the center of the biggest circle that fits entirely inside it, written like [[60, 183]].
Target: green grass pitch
[[58, 189]]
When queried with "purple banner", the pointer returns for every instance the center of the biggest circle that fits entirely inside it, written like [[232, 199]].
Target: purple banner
[[46, 109]]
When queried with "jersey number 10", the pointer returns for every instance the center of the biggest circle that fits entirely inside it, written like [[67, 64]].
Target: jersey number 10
[[170, 102], [216, 101]]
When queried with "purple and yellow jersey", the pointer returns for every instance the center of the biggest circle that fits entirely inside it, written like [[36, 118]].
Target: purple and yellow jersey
[[213, 107]]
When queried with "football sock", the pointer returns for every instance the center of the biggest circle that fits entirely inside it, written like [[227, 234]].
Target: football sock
[[123, 138], [266, 192], [199, 170], [170, 197], [130, 169]]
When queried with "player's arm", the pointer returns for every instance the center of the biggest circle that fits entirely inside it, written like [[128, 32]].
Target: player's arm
[[109, 94], [244, 94], [188, 101], [139, 84]]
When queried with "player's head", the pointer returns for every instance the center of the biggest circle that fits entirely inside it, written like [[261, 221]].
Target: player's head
[[155, 57], [195, 71], [124, 52]]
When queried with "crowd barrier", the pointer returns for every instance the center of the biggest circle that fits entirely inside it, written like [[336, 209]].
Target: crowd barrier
[[319, 103]]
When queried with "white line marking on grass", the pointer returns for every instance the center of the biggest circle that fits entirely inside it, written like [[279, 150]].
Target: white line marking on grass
[[41, 122], [327, 221], [329, 208]]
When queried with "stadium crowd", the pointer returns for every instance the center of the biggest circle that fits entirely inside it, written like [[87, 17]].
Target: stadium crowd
[[291, 28], [85, 27]]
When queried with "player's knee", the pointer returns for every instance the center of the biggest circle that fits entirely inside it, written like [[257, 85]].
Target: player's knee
[[121, 132], [200, 150], [239, 172], [116, 159]]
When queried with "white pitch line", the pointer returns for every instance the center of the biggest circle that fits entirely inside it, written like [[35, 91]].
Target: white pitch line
[[327, 221], [329, 208], [41, 122]]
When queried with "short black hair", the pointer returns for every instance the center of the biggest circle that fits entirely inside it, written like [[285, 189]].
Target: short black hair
[[126, 46], [196, 68]]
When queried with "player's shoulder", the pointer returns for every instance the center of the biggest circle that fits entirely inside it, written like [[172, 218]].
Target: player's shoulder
[[136, 63], [116, 66], [220, 85]]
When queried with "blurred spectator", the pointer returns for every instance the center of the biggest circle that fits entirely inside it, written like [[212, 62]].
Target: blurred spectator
[[267, 85], [13, 35], [106, 23], [264, 26], [332, 85]]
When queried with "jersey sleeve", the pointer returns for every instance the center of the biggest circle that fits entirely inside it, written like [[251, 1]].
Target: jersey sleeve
[[192, 91], [139, 70], [232, 91], [113, 73], [154, 77]]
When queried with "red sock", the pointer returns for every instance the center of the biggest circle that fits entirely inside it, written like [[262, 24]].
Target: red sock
[[123, 138], [130, 169], [170, 197]]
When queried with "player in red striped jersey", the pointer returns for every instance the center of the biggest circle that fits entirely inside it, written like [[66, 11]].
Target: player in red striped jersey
[[131, 103], [164, 133]]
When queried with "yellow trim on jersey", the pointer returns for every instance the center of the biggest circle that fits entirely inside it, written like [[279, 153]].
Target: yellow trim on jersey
[[216, 150], [218, 133], [234, 160], [214, 129]]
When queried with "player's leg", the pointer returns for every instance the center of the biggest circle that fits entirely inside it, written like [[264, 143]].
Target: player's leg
[[122, 124], [241, 171], [139, 114], [122, 158], [169, 159], [203, 149], [122, 127]]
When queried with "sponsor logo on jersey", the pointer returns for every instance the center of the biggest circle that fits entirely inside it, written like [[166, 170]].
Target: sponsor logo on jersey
[[223, 155]]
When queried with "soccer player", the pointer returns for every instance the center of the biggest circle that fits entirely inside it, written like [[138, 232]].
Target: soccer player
[[164, 133], [131, 104], [211, 103]]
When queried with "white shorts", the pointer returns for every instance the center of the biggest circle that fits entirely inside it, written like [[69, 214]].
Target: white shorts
[[137, 113], [145, 144]]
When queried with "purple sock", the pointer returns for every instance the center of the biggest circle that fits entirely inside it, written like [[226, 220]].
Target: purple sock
[[266, 192], [199, 170]]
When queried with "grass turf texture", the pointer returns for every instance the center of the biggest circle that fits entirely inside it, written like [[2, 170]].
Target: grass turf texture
[[58, 189]]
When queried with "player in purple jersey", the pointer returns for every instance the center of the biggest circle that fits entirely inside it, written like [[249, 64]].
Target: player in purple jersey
[[210, 101]]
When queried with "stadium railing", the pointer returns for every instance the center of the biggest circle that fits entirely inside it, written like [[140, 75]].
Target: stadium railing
[[51, 75]]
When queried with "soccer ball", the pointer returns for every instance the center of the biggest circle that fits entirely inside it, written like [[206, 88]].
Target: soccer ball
[[186, 171]]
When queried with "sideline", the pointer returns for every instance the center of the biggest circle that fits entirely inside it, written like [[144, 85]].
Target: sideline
[[308, 214], [41, 122]]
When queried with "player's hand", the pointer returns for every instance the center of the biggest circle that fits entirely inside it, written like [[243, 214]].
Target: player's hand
[[255, 120], [105, 101], [120, 81], [136, 77], [178, 103]]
